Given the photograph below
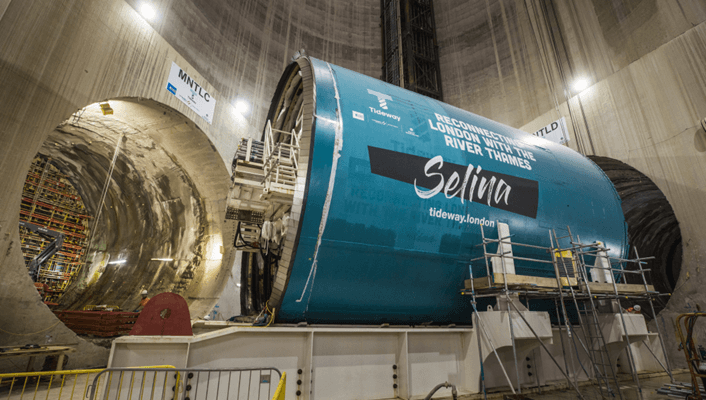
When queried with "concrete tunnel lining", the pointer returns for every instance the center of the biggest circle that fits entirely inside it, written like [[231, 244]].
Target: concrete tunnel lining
[[166, 198], [155, 205], [72, 73]]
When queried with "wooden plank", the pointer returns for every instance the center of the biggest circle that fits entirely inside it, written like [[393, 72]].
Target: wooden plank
[[478, 283], [623, 288], [250, 168], [43, 350], [538, 283], [518, 280]]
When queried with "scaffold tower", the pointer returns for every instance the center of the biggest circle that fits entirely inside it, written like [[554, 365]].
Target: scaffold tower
[[51, 203]]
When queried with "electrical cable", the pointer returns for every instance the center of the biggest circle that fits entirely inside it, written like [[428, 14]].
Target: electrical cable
[[104, 192], [272, 316], [32, 333], [239, 235]]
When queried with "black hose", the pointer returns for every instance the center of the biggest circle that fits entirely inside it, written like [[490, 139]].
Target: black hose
[[454, 393], [239, 236]]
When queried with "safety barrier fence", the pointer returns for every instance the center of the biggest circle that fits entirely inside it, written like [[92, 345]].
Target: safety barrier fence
[[56, 385], [188, 384]]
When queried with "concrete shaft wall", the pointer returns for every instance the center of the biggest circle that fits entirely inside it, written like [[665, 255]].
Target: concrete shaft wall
[[242, 47], [56, 58], [509, 60], [515, 62]]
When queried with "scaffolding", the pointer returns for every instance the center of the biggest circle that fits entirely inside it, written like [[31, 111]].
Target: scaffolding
[[265, 175], [280, 164], [50, 201], [591, 293], [264, 178]]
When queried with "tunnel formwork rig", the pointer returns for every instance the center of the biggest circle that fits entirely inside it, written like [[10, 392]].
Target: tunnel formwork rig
[[52, 207]]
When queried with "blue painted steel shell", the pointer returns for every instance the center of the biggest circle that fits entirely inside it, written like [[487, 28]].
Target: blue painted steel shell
[[400, 226]]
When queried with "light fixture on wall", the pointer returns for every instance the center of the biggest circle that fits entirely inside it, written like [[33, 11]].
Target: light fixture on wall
[[118, 262], [242, 107], [580, 84], [148, 11]]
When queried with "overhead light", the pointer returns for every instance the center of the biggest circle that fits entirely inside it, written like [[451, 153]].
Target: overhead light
[[237, 284], [581, 84], [162, 259], [147, 11], [118, 262], [242, 107]]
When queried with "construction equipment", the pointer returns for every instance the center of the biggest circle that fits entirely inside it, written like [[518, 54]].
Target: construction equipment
[[53, 228], [98, 323], [165, 314], [587, 293], [695, 355], [47, 252], [679, 389]]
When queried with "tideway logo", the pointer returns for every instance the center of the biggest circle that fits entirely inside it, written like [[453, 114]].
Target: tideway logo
[[383, 99]]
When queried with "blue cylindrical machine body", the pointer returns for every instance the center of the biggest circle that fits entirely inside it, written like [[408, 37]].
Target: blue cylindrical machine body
[[397, 189]]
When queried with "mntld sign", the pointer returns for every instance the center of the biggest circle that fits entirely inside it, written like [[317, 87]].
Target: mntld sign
[[556, 131]]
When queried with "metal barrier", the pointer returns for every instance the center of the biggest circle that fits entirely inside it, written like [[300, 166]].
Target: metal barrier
[[281, 387], [54, 385], [188, 384]]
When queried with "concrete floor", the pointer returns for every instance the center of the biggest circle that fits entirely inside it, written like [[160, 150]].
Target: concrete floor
[[649, 383], [75, 387]]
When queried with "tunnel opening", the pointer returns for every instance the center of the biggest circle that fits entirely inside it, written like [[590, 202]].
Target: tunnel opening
[[653, 229], [148, 223]]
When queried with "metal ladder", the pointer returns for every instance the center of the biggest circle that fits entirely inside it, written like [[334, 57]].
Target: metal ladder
[[505, 292], [600, 359], [595, 346]]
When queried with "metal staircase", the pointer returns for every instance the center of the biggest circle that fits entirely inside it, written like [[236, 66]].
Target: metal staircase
[[280, 164], [264, 178]]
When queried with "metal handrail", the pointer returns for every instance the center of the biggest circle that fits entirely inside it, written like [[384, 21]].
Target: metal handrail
[[184, 379], [63, 374]]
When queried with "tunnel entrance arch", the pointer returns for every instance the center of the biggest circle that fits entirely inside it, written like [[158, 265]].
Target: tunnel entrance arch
[[153, 187], [653, 228]]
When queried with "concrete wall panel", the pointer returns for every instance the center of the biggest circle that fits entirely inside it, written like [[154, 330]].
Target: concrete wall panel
[[648, 115], [55, 58]]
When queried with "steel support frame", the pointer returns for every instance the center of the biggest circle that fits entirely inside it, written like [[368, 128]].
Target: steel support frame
[[409, 45], [615, 321]]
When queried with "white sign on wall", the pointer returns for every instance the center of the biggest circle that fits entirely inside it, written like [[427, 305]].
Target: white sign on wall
[[191, 93], [556, 131]]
